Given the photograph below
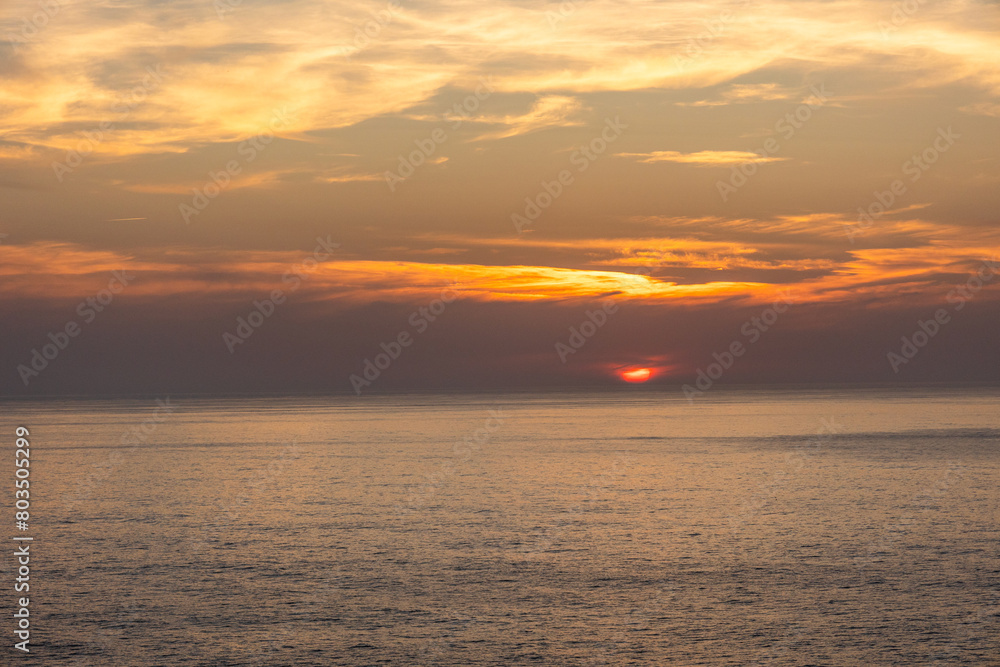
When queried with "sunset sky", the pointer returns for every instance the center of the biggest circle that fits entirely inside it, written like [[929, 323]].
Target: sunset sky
[[680, 165]]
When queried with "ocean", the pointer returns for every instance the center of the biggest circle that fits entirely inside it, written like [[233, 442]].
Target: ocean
[[781, 527]]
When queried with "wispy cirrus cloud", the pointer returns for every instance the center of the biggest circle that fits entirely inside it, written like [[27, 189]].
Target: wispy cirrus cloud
[[701, 158], [983, 109], [745, 93], [547, 112], [222, 86]]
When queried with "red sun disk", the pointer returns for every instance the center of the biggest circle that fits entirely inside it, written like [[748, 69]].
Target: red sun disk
[[636, 374]]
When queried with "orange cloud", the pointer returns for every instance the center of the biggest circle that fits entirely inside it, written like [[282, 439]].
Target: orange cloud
[[213, 88], [47, 270], [701, 158]]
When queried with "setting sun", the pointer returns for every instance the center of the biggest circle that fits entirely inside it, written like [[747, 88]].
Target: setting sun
[[636, 374], [326, 258]]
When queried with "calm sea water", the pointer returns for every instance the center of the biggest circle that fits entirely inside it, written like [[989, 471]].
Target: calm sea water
[[767, 527]]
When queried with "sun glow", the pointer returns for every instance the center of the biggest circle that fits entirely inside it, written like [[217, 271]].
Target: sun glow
[[635, 374]]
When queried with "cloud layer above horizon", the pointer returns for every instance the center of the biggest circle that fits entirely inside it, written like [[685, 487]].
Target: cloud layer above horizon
[[675, 157]]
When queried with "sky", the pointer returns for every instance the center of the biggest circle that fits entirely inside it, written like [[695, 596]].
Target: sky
[[307, 196]]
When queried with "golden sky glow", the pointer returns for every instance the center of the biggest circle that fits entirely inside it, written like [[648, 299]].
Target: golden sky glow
[[224, 76], [668, 154]]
